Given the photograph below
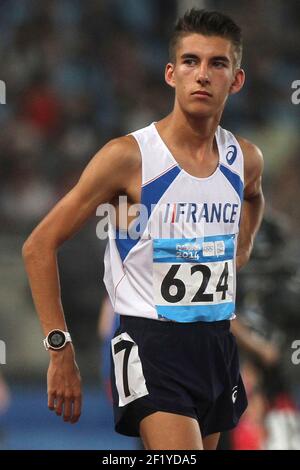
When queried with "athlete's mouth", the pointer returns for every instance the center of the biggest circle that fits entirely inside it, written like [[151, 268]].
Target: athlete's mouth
[[202, 93]]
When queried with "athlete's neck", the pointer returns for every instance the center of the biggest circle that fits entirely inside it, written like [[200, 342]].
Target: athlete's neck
[[192, 134]]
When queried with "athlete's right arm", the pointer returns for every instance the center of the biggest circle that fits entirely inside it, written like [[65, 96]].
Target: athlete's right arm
[[107, 175]]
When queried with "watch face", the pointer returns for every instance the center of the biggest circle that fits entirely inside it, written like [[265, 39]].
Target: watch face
[[56, 339]]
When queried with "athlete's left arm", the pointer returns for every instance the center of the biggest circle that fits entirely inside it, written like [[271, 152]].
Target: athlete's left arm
[[253, 204]]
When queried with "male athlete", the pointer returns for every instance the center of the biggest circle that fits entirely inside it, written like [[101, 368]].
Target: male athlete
[[175, 372]]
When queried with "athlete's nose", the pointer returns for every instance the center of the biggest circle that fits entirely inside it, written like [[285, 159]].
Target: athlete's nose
[[202, 75]]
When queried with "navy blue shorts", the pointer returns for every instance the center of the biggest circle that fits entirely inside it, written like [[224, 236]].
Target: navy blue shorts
[[191, 369]]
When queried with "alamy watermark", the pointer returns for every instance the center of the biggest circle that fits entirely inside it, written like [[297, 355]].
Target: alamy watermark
[[296, 354], [171, 219], [2, 352], [2, 92], [295, 98]]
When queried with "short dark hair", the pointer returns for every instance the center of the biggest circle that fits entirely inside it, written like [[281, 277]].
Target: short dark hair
[[208, 23]]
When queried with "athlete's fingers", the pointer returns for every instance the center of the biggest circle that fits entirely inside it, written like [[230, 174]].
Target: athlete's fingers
[[67, 408], [51, 400], [59, 404], [76, 409]]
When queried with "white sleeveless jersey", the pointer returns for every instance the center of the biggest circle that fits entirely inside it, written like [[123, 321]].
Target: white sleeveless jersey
[[180, 264]]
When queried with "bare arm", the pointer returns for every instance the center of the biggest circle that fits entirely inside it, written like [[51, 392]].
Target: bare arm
[[106, 319], [105, 176], [253, 204]]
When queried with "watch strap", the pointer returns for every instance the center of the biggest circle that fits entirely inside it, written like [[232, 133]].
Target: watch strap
[[48, 346]]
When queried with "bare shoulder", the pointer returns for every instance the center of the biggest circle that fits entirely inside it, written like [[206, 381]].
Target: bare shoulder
[[253, 159], [122, 151], [113, 166]]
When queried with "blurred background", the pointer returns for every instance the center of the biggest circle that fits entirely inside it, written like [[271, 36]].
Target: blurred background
[[78, 73]]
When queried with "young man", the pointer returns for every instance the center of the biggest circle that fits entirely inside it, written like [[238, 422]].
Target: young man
[[175, 368]]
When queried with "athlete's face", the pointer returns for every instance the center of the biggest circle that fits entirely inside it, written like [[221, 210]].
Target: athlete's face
[[204, 74]]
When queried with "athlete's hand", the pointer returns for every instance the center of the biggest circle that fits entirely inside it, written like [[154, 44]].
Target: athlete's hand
[[64, 384], [242, 258]]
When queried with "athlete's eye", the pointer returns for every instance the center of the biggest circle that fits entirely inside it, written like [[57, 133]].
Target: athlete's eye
[[189, 61], [219, 65]]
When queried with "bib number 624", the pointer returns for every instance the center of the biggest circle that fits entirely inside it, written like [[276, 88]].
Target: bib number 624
[[173, 289]]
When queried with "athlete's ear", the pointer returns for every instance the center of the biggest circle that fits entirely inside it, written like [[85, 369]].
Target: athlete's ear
[[238, 82], [169, 74]]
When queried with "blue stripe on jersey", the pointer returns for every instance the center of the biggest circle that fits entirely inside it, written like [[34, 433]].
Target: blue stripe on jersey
[[184, 314], [153, 191], [124, 245], [151, 194], [190, 250], [234, 180]]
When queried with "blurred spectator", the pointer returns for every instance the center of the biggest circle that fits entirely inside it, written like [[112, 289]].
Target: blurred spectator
[[266, 323]]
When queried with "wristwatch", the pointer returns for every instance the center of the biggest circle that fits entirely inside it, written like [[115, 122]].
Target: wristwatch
[[57, 339]]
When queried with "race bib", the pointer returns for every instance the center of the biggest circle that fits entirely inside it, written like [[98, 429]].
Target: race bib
[[193, 279]]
